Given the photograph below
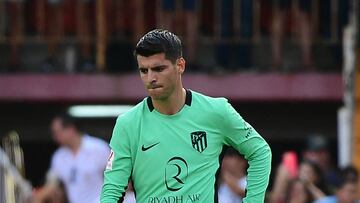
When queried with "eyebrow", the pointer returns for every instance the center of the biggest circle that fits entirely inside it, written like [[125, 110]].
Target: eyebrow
[[153, 67]]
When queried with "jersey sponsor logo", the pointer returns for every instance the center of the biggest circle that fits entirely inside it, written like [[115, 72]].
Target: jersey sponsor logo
[[110, 160], [198, 140], [143, 148], [175, 199], [168, 199], [176, 172]]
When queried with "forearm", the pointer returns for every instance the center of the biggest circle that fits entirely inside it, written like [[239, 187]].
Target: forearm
[[111, 193], [315, 191], [258, 174], [115, 181], [44, 193], [118, 168]]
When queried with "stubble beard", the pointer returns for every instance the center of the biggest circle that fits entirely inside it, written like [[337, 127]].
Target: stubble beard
[[158, 95], [162, 95]]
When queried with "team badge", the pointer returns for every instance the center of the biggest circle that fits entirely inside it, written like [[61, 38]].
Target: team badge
[[198, 140]]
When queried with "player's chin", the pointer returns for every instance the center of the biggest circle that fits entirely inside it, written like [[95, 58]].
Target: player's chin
[[156, 94]]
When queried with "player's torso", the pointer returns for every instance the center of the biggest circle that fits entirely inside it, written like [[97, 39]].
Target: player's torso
[[81, 175], [176, 157]]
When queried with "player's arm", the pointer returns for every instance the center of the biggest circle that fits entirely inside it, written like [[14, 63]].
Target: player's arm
[[243, 137], [119, 166], [42, 194]]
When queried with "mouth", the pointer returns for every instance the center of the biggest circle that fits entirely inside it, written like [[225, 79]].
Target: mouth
[[151, 87]]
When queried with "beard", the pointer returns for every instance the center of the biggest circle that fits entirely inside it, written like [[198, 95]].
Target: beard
[[160, 92]]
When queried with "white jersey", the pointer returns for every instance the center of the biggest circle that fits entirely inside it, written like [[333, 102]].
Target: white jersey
[[129, 197], [226, 195], [82, 173]]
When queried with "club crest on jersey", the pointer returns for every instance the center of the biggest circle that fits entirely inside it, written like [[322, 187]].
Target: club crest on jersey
[[198, 140]]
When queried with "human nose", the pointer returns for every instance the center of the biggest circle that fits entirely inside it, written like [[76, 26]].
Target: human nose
[[151, 76]]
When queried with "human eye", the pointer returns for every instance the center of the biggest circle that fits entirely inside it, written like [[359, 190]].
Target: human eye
[[158, 68], [143, 70]]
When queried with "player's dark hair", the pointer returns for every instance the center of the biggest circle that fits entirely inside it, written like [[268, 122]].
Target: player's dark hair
[[159, 41], [68, 121]]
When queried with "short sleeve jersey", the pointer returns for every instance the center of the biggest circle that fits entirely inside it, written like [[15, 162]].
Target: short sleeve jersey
[[175, 158]]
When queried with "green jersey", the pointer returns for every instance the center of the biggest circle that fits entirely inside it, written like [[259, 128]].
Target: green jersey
[[176, 158]]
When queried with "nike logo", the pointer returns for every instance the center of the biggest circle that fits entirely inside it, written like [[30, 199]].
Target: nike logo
[[143, 148]]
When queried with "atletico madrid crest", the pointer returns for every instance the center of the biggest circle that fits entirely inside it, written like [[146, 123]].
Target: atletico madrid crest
[[198, 140]]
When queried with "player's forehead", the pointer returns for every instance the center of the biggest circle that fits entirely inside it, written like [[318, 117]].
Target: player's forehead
[[57, 123], [155, 60]]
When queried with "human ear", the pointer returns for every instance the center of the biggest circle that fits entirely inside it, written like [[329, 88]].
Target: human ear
[[180, 63]]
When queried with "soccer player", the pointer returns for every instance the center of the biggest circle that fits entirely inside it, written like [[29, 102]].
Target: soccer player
[[169, 144], [78, 163]]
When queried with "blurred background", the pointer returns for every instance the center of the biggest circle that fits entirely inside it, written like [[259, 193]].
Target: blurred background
[[290, 68]]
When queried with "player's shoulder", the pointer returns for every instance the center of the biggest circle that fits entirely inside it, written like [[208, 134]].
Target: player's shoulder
[[94, 141], [60, 154], [213, 108], [133, 113], [208, 101]]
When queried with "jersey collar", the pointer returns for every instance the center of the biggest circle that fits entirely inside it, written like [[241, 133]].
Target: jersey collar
[[188, 100]]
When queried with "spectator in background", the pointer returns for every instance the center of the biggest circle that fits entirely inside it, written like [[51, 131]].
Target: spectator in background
[[133, 18], [297, 192], [306, 178], [233, 174], [346, 188], [79, 162], [15, 21], [230, 28], [169, 21], [55, 10], [302, 22], [317, 151], [84, 19], [311, 174], [286, 171]]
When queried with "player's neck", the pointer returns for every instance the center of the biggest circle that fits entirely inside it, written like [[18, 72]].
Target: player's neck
[[75, 144], [173, 104]]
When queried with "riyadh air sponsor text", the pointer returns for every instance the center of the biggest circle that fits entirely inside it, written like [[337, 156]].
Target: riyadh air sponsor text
[[175, 199]]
